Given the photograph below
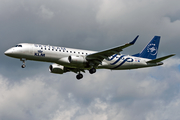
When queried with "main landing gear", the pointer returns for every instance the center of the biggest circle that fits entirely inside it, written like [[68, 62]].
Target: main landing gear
[[80, 76], [92, 70], [23, 65]]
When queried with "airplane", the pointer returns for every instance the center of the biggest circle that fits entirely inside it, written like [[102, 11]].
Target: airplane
[[77, 60]]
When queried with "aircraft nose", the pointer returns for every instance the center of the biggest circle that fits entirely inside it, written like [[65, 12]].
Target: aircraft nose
[[8, 52]]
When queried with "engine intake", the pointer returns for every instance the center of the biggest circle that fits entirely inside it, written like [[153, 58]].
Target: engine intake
[[57, 69], [79, 60]]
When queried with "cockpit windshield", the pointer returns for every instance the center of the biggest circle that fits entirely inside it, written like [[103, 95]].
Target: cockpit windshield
[[18, 46]]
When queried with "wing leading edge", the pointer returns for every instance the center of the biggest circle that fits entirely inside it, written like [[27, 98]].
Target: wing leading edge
[[101, 55]]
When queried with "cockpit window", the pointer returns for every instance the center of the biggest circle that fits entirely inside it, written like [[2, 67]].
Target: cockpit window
[[18, 46]]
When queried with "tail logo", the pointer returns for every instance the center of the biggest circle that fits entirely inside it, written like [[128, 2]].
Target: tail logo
[[152, 49]]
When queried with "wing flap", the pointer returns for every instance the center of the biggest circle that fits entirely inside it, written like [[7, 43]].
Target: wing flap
[[160, 59]]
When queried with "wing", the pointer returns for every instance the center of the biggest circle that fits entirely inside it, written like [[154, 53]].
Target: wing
[[100, 56]]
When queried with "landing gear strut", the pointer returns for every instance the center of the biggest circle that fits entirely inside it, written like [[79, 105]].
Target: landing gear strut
[[23, 65]]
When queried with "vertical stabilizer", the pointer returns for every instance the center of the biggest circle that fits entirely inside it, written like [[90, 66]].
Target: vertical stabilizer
[[151, 50]]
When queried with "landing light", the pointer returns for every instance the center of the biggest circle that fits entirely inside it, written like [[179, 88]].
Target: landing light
[[160, 63]]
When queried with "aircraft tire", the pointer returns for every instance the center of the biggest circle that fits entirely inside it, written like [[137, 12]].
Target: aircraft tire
[[23, 66], [92, 70], [79, 76]]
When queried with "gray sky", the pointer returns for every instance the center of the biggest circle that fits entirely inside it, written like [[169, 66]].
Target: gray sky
[[34, 93]]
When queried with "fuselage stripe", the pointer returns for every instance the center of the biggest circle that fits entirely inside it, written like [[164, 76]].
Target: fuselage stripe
[[117, 60], [120, 64], [112, 57]]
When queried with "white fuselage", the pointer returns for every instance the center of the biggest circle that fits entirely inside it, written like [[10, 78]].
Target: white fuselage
[[60, 55]]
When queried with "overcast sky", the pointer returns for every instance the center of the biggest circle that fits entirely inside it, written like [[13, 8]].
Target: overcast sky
[[35, 94]]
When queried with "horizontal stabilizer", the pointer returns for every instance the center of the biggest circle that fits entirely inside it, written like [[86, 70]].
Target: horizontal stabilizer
[[160, 59]]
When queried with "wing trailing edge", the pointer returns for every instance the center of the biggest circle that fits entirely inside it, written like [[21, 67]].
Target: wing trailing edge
[[109, 52]]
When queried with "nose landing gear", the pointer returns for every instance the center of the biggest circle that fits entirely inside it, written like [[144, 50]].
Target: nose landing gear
[[23, 65]]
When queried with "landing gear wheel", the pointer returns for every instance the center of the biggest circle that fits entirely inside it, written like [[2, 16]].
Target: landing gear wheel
[[92, 70], [23, 60], [23, 66], [79, 76]]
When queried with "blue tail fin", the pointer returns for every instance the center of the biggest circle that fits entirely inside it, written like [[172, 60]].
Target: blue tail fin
[[151, 50]]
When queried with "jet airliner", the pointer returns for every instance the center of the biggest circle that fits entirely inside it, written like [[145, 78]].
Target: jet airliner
[[77, 60]]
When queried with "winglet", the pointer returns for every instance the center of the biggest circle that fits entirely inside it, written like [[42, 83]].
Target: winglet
[[134, 40]]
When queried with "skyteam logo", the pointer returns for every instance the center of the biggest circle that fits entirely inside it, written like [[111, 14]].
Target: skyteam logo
[[120, 61], [152, 49], [40, 53]]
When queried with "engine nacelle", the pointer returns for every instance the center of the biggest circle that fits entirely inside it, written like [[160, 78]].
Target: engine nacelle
[[78, 60], [58, 69]]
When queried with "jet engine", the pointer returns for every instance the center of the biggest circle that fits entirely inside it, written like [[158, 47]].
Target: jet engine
[[57, 69], [78, 60]]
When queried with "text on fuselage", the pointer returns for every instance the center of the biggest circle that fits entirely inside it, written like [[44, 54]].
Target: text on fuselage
[[39, 53], [49, 47]]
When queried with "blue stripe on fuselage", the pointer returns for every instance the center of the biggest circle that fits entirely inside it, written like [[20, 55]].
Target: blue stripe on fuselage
[[126, 60], [112, 57], [117, 60], [120, 64]]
